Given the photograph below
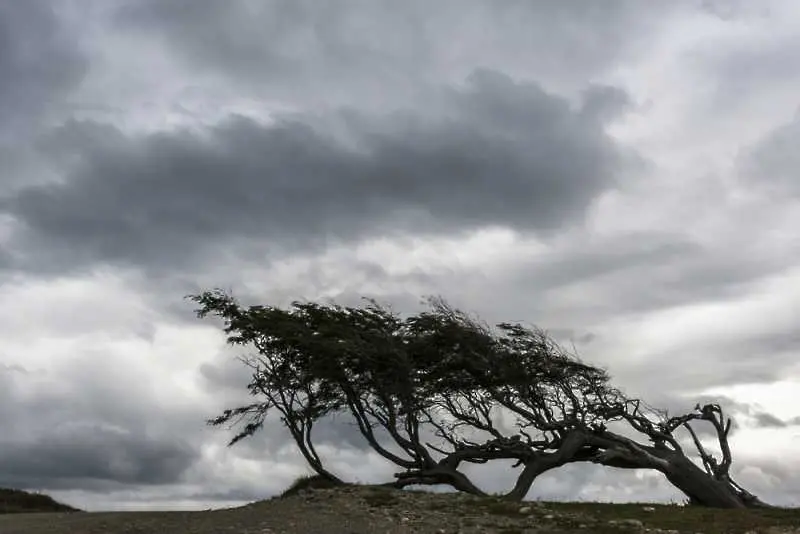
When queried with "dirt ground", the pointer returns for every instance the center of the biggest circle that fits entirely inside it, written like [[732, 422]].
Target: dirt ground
[[371, 510]]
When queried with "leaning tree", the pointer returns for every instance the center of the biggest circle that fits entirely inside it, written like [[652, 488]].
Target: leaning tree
[[403, 381], [313, 361], [442, 375], [571, 405]]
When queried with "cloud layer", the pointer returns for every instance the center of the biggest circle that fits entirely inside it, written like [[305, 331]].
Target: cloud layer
[[497, 152]]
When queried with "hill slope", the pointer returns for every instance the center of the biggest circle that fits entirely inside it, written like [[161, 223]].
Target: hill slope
[[14, 501], [366, 510]]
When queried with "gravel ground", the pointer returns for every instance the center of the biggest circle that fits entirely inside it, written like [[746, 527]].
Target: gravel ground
[[360, 510]]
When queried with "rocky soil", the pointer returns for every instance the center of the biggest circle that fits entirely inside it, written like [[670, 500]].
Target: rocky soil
[[373, 510]]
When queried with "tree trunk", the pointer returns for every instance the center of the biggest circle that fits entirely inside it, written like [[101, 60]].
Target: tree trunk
[[542, 462], [700, 487]]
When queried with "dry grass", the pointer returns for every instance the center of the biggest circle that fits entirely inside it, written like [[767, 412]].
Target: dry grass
[[686, 518], [308, 482]]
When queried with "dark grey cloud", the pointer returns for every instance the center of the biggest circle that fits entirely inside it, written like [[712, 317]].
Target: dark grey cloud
[[367, 51], [40, 64], [501, 153], [39, 61], [89, 434], [92, 457]]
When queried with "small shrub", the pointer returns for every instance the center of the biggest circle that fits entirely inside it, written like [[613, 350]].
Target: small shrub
[[308, 482]]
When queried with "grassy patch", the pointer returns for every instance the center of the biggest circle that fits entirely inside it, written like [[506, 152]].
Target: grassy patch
[[509, 516], [683, 518], [308, 482]]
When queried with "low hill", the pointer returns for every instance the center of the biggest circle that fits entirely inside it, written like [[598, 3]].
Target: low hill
[[14, 501]]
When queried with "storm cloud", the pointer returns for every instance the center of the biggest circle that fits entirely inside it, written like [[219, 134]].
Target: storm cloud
[[371, 54], [498, 152], [39, 63]]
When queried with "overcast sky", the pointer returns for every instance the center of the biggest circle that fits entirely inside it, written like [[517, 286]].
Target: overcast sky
[[624, 174]]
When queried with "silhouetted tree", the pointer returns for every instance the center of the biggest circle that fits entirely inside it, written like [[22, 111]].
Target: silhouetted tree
[[568, 406], [441, 374], [314, 360]]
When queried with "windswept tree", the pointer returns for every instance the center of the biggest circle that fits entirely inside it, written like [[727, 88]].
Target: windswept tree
[[313, 361], [441, 375], [711, 485], [284, 379], [570, 405], [401, 380]]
